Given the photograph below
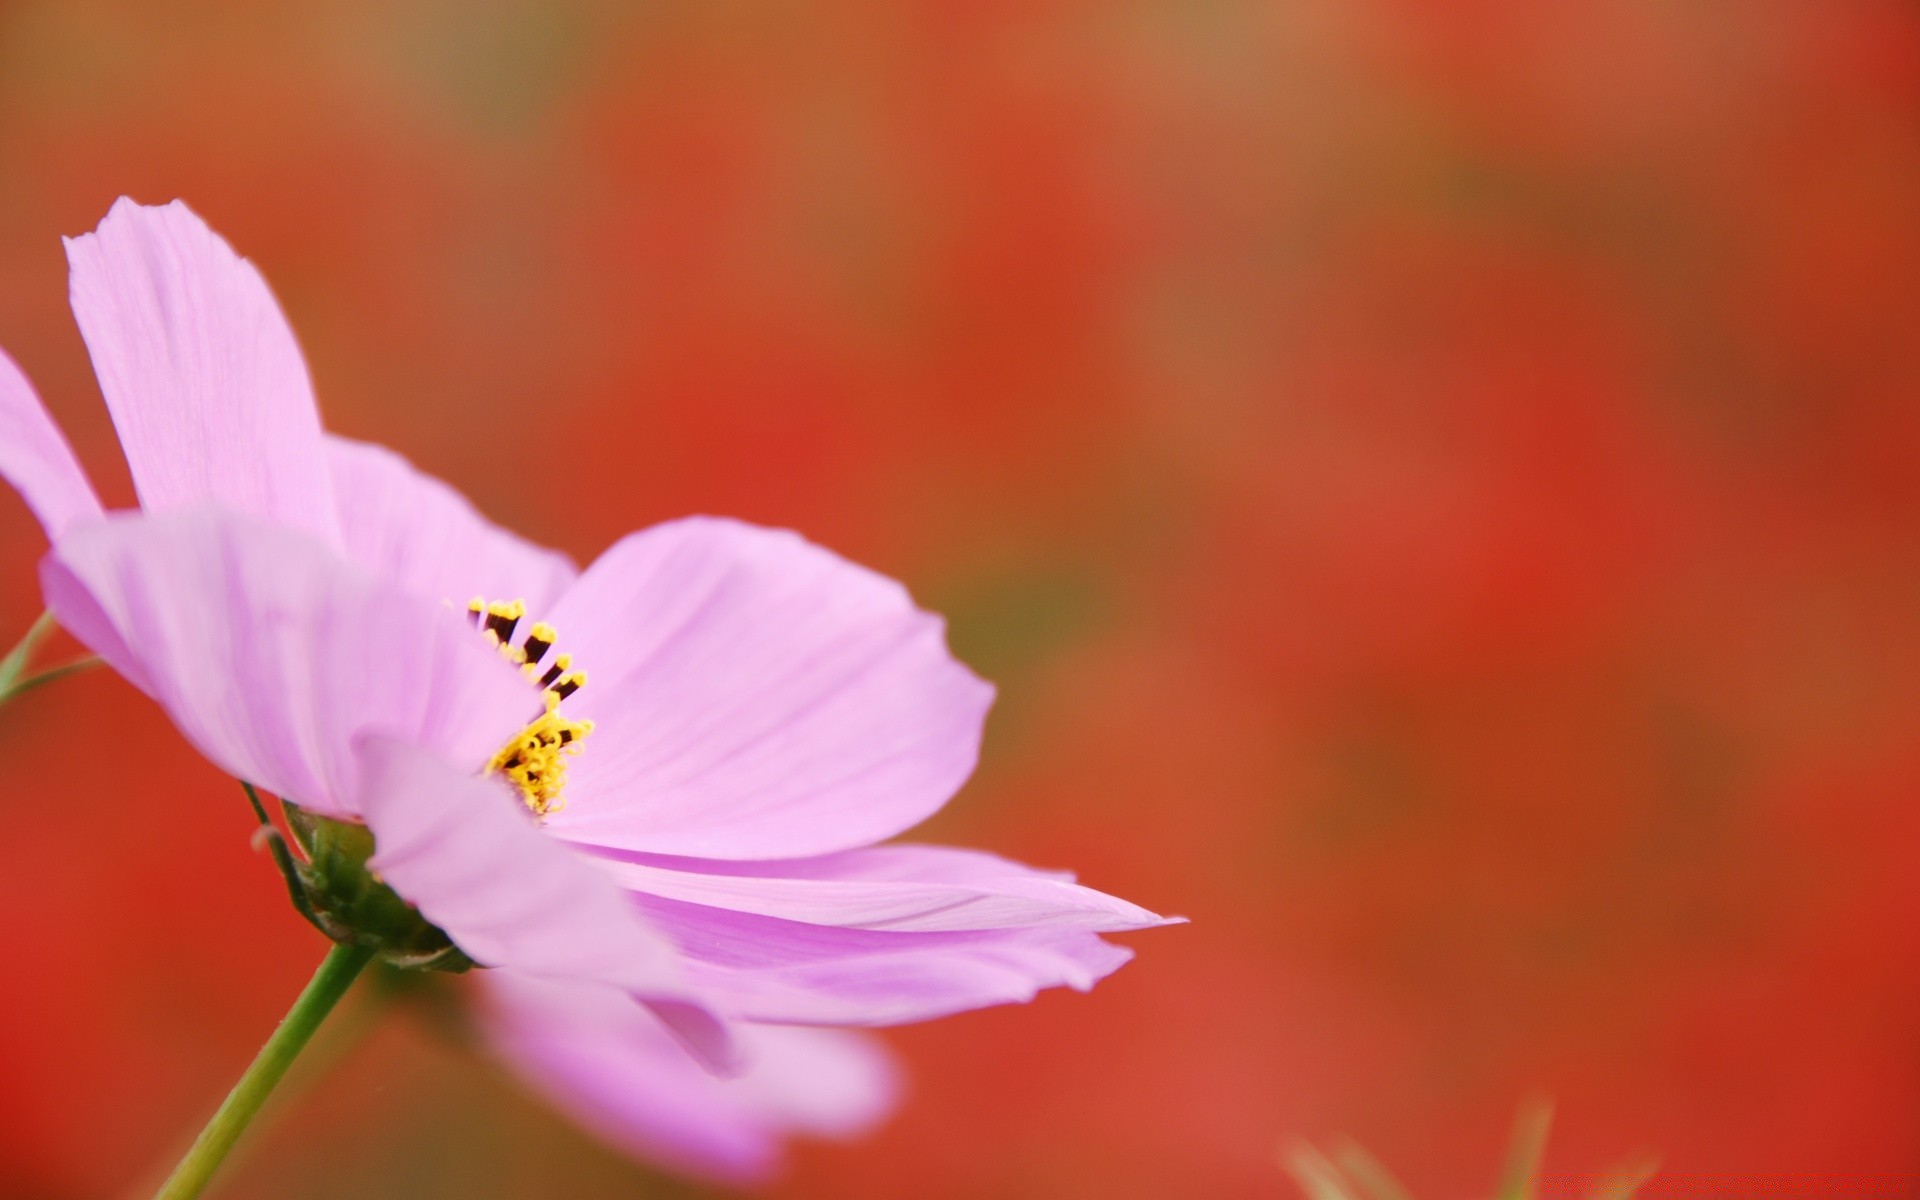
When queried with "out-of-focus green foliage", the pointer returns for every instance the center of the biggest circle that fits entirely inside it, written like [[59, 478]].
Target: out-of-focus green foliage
[[1345, 1171]]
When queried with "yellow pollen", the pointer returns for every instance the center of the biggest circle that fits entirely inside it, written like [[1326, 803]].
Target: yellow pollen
[[535, 760]]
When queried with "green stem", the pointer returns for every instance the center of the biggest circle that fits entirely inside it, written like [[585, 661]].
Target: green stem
[[337, 972], [26, 685], [16, 659]]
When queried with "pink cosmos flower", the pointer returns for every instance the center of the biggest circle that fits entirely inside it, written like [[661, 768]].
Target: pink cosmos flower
[[664, 775]]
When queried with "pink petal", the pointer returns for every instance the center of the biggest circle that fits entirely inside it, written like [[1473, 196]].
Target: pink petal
[[757, 697], [465, 852], [610, 1066], [422, 534], [763, 968], [202, 374], [901, 888], [273, 654], [36, 459]]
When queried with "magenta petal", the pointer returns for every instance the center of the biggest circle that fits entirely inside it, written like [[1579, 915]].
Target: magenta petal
[[273, 654], [36, 459], [465, 852], [763, 968], [902, 888], [422, 534], [609, 1065], [202, 374], [757, 697]]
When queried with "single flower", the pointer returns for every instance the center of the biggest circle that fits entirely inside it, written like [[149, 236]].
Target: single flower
[[665, 774], [609, 1065]]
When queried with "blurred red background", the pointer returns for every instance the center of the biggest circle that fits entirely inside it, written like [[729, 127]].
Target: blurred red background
[[1438, 486]]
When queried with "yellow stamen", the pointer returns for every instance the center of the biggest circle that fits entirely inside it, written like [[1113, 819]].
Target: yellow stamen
[[535, 760]]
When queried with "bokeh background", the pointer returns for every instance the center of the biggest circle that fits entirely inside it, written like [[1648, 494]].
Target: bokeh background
[[1437, 484]]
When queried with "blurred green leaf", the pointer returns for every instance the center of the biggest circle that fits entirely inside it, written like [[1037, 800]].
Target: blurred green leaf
[[1529, 1147], [1623, 1183], [1354, 1174], [1315, 1174], [1373, 1176]]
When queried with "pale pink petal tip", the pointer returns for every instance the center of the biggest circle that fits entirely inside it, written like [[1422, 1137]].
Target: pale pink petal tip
[[902, 888], [769, 969], [609, 1065], [878, 936], [199, 368]]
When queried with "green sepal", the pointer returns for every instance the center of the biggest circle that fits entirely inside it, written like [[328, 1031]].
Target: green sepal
[[346, 901]]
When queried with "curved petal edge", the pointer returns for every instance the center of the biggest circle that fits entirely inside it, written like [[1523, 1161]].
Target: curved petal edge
[[199, 368], [760, 697], [36, 458]]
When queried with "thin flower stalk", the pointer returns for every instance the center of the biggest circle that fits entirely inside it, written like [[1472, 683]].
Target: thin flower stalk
[[14, 680], [330, 982]]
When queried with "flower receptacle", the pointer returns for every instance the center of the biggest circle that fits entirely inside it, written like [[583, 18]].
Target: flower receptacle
[[346, 900]]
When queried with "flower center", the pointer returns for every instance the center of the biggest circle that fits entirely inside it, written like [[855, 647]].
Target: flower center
[[535, 759]]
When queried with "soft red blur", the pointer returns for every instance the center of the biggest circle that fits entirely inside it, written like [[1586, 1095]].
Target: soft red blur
[[1437, 485]]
